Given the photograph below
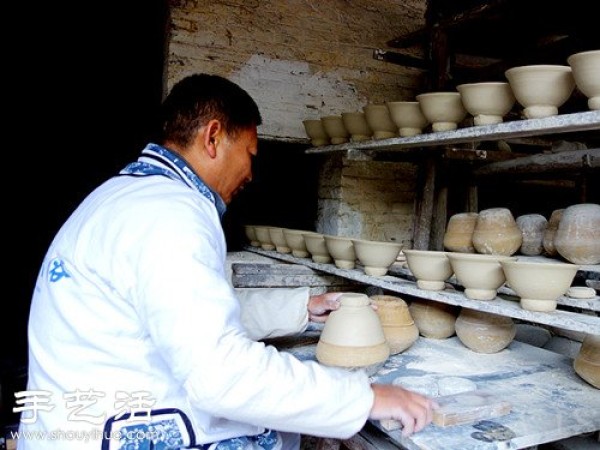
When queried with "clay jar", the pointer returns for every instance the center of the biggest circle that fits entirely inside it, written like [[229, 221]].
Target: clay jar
[[577, 238], [353, 335], [459, 233], [587, 361], [550, 231], [496, 232], [484, 332], [433, 319], [532, 228], [398, 325]]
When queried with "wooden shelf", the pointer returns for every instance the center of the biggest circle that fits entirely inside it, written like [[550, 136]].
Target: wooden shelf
[[562, 123], [505, 304]]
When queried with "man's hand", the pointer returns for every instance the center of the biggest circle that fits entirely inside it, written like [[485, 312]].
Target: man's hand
[[319, 306]]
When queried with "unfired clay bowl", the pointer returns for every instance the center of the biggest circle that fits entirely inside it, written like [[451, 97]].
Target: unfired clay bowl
[[315, 244], [335, 129], [379, 120], [295, 241], [398, 325], [251, 235], [263, 235], [434, 320], [278, 239], [341, 250], [487, 102], [586, 71], [408, 117], [481, 275], [541, 89], [353, 335], [376, 256], [444, 110], [484, 332], [430, 268], [357, 126], [587, 361], [538, 283], [316, 132]]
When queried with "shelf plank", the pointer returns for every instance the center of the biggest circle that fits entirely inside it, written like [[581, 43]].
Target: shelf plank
[[502, 305], [562, 123]]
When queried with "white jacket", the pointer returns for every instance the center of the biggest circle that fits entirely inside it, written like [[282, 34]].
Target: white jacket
[[132, 302]]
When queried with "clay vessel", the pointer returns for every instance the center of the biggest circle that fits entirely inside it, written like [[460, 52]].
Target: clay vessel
[[357, 126], [341, 250], [295, 241], [538, 283], [353, 335], [251, 235], [484, 332], [550, 232], [496, 232], [408, 117], [487, 102], [577, 238], [263, 235], [316, 132], [444, 110], [278, 240], [459, 232], [587, 361], [481, 275], [398, 325], [430, 268], [376, 256], [586, 71], [315, 244], [335, 129], [433, 319], [379, 120], [532, 228]]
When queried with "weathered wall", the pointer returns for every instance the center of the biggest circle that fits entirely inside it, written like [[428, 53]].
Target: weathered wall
[[299, 59]]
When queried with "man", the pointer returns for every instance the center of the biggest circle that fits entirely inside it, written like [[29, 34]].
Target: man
[[136, 338]]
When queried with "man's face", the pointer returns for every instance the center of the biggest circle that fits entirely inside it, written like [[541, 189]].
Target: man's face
[[237, 169]]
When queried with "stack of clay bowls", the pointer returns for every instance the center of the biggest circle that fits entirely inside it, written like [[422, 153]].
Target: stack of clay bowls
[[532, 228], [481, 275], [577, 238], [356, 124], [341, 250], [431, 268], [335, 129], [459, 233], [379, 120], [353, 336], [278, 239], [376, 256], [587, 361], [487, 102], [316, 132], [434, 320], [444, 110], [398, 325], [484, 332], [541, 89], [496, 232], [295, 241], [408, 117], [586, 72], [264, 237], [251, 235], [315, 244]]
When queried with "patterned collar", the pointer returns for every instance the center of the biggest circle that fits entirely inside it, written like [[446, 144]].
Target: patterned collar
[[158, 160]]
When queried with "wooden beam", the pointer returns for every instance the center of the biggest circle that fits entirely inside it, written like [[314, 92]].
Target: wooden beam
[[400, 59], [424, 214], [467, 154]]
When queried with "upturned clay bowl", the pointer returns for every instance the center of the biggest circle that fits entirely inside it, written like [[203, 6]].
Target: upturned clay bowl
[[263, 235], [341, 250], [541, 89], [481, 275], [459, 232], [357, 126], [315, 244], [586, 71], [550, 232], [430, 268], [278, 239], [538, 283], [398, 325], [379, 120], [484, 332], [433, 319], [335, 129], [577, 238], [408, 117], [587, 361], [316, 132], [532, 228], [295, 241], [353, 335], [487, 102], [496, 232], [444, 110], [376, 256], [251, 235]]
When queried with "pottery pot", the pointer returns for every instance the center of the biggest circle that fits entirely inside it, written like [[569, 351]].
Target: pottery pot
[[335, 129], [379, 120], [353, 335], [251, 235], [496, 232], [278, 240], [532, 228], [398, 325], [263, 235], [295, 241], [577, 238], [587, 361], [357, 126], [444, 110], [484, 332], [433, 319], [481, 275], [376, 256], [315, 244], [316, 132], [408, 117], [550, 232], [586, 71], [341, 250], [487, 102], [431, 268], [459, 232]]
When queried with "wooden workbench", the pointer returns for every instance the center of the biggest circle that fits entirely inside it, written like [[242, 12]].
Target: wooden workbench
[[549, 400]]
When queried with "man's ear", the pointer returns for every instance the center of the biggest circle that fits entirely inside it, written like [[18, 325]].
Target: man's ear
[[211, 135]]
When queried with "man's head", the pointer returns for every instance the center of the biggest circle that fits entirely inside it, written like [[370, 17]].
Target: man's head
[[212, 122]]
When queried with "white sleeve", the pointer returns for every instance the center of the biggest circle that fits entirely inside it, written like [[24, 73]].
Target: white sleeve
[[273, 312]]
